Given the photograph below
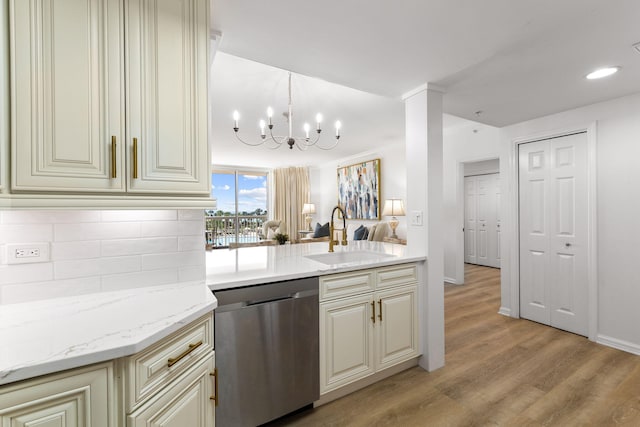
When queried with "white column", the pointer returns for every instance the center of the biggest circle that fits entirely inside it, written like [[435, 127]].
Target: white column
[[423, 115]]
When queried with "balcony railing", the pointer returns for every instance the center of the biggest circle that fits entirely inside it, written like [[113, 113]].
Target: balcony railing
[[223, 230]]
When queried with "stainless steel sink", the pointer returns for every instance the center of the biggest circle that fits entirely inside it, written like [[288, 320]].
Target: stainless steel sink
[[336, 258]]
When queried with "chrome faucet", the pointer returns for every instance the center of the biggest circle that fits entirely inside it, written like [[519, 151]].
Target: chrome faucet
[[332, 240]]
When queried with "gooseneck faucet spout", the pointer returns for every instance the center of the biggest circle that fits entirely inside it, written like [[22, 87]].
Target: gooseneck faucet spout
[[332, 240]]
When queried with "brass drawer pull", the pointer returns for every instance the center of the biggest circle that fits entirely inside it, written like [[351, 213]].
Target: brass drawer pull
[[172, 361], [380, 305], [214, 374], [114, 171], [373, 309]]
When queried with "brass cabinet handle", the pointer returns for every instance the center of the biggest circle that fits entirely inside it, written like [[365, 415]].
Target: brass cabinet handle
[[214, 374], [114, 172], [380, 305], [172, 361], [373, 309], [135, 158]]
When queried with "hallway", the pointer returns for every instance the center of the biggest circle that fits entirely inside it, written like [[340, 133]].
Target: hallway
[[499, 371]]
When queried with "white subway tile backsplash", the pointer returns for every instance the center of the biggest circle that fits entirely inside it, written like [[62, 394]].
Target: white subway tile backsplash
[[51, 217], [25, 292], [96, 231], [139, 215], [190, 243], [159, 228], [189, 274], [191, 228], [25, 273], [148, 245], [190, 215], [23, 233], [76, 268], [120, 264], [141, 279], [75, 250], [95, 251]]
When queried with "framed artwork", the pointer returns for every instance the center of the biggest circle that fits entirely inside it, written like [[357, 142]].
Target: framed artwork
[[359, 189]]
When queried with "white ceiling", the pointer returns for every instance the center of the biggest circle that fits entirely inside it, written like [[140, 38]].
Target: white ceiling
[[513, 59]]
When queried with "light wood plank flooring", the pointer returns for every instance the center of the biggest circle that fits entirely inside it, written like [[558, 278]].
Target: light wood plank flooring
[[499, 371]]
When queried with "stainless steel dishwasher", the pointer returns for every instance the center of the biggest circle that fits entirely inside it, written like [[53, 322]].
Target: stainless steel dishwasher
[[267, 354]]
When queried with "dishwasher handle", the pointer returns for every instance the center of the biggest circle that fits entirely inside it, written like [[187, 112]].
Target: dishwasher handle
[[296, 295]]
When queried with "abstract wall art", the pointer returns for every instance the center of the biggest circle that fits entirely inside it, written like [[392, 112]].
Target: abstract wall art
[[359, 189]]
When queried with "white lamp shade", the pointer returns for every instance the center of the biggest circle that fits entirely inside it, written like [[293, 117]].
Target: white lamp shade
[[393, 207], [308, 208]]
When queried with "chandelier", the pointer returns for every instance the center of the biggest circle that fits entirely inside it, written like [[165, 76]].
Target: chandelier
[[302, 143]]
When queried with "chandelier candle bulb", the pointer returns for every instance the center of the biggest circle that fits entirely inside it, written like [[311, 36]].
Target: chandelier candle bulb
[[262, 132], [236, 117], [302, 142]]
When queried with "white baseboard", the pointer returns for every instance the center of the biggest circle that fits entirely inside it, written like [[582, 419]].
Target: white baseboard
[[450, 280], [505, 311], [627, 346]]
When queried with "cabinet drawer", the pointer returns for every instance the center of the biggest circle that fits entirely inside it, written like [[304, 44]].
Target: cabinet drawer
[[346, 284], [150, 370], [397, 275]]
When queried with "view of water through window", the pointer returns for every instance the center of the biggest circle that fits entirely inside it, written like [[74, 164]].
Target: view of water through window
[[241, 208]]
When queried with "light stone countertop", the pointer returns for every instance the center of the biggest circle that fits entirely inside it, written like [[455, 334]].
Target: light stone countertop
[[52, 335], [231, 268]]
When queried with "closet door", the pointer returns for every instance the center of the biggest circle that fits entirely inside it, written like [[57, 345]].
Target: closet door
[[553, 232], [482, 224]]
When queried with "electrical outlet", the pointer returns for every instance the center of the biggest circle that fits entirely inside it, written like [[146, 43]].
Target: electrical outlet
[[23, 253]]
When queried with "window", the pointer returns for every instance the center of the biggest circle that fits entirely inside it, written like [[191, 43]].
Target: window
[[242, 208]]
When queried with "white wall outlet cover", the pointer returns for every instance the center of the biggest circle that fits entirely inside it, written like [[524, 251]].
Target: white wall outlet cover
[[416, 218], [25, 253]]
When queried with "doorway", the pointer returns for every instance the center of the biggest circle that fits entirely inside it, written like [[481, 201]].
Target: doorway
[[553, 231]]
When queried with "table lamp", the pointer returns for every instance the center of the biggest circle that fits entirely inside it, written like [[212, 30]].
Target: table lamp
[[308, 209], [393, 208]]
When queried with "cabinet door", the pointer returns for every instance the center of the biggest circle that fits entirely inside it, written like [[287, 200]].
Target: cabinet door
[[346, 341], [185, 402], [167, 66], [81, 397], [67, 95], [396, 326]]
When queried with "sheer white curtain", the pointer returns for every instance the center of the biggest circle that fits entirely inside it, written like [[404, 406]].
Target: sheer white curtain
[[291, 192]]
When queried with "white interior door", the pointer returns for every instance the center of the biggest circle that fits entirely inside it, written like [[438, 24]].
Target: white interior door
[[553, 232], [482, 239]]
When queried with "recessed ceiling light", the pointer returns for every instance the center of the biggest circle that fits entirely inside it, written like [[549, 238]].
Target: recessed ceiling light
[[602, 72]]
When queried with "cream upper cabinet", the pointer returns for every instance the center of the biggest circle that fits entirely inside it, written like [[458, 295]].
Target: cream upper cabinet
[[166, 74], [76, 398], [78, 65], [67, 95]]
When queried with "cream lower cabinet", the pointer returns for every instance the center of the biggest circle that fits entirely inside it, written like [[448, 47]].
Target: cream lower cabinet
[[172, 383], [77, 398], [368, 322], [186, 402], [109, 96]]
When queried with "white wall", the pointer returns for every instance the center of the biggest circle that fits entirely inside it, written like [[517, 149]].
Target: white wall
[[323, 181], [461, 144], [95, 251], [618, 207]]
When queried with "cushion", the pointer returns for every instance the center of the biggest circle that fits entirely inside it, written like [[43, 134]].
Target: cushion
[[372, 232], [360, 233], [271, 233], [321, 230], [382, 229]]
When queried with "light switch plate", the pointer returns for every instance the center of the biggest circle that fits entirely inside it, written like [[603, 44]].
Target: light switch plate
[[27, 253], [416, 218]]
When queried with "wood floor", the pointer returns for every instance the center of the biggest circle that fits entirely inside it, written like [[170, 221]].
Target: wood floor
[[499, 371]]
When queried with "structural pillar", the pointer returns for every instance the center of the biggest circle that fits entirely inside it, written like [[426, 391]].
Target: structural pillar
[[423, 124]]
